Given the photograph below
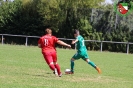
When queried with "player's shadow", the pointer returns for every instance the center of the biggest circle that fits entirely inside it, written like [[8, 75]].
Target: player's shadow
[[38, 75], [48, 73]]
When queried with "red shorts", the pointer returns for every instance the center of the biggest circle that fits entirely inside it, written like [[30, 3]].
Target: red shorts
[[50, 57]]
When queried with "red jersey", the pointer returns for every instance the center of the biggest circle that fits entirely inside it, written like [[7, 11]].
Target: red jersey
[[48, 43]]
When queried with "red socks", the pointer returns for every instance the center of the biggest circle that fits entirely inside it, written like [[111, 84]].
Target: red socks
[[52, 67], [58, 68]]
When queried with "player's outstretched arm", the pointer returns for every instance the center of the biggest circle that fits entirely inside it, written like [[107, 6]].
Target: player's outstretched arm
[[63, 43], [74, 41]]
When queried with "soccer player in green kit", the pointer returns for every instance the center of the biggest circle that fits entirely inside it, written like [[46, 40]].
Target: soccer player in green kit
[[81, 52]]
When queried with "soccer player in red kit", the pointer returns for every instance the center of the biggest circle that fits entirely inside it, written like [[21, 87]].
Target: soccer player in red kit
[[47, 44]]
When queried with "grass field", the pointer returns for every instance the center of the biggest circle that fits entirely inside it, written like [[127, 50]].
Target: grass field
[[24, 67]]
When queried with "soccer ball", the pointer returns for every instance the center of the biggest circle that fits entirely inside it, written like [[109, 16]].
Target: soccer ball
[[67, 71]]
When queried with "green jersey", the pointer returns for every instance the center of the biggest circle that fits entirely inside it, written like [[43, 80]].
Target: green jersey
[[80, 46], [82, 51]]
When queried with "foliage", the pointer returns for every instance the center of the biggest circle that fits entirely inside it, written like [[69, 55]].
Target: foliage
[[96, 21]]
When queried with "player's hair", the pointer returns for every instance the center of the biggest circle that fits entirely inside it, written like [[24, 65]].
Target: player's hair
[[76, 31], [47, 27]]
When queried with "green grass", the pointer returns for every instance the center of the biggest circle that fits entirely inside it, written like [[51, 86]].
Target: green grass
[[24, 67]]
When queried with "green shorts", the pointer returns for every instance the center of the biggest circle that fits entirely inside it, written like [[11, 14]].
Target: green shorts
[[83, 55]]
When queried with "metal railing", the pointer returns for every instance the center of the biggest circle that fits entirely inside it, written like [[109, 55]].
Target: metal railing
[[101, 42]]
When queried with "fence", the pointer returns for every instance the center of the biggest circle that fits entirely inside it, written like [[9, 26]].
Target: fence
[[101, 42]]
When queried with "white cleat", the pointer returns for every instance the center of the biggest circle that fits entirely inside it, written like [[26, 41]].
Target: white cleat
[[55, 72]]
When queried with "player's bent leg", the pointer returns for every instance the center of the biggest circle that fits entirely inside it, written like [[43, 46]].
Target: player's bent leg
[[72, 64], [72, 67], [75, 57], [51, 65], [90, 62], [58, 69], [54, 57], [93, 65], [49, 60]]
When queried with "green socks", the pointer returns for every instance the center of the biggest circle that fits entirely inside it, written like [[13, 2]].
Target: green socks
[[72, 66], [92, 64]]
